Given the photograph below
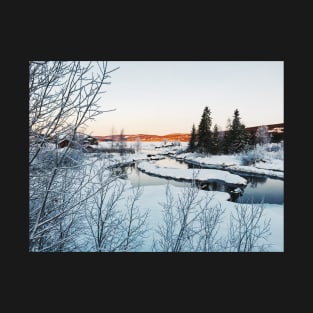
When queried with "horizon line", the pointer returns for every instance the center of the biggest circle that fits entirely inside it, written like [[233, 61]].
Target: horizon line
[[182, 133]]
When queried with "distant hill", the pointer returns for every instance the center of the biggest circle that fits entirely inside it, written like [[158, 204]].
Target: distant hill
[[147, 137], [182, 137], [279, 127]]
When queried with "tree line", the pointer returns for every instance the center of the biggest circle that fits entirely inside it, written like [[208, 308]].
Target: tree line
[[234, 140]]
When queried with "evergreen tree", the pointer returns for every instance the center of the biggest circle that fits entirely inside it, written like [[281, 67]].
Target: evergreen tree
[[221, 135], [204, 132], [277, 137], [252, 138], [192, 142], [237, 135], [215, 146], [226, 139]]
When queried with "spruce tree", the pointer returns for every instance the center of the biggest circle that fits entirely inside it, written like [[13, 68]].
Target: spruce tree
[[204, 132], [221, 135], [215, 141], [226, 138], [192, 142], [237, 135], [252, 138]]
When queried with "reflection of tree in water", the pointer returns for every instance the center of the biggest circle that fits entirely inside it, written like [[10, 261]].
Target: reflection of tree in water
[[235, 196], [121, 172], [124, 171], [253, 181], [193, 165], [235, 192], [219, 186], [212, 186]]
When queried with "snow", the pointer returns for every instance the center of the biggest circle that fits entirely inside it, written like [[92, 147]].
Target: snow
[[154, 195], [190, 174], [258, 171], [272, 164], [147, 147], [152, 198], [157, 158], [220, 160], [115, 159], [237, 190], [269, 167]]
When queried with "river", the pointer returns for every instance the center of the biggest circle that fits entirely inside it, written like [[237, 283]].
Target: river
[[258, 188]]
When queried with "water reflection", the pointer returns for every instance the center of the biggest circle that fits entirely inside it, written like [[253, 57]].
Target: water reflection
[[269, 190], [234, 197], [212, 186], [234, 191], [121, 172], [253, 181], [193, 166]]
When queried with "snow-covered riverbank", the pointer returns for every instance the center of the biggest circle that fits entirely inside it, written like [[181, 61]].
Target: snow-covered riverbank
[[203, 175], [152, 197], [269, 160], [266, 163]]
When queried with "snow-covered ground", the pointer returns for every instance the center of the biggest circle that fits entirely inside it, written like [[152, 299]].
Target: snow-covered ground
[[204, 175], [271, 164], [154, 147], [256, 170], [153, 196], [219, 160], [267, 163]]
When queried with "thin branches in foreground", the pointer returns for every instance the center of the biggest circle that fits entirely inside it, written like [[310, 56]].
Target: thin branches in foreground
[[190, 223]]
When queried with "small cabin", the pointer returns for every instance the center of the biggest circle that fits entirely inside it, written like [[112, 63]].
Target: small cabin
[[63, 143], [78, 141]]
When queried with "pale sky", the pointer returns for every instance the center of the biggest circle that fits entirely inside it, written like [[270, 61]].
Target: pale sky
[[162, 97]]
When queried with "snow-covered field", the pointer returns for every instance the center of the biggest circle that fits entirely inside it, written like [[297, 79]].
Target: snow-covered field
[[152, 196], [269, 166]]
